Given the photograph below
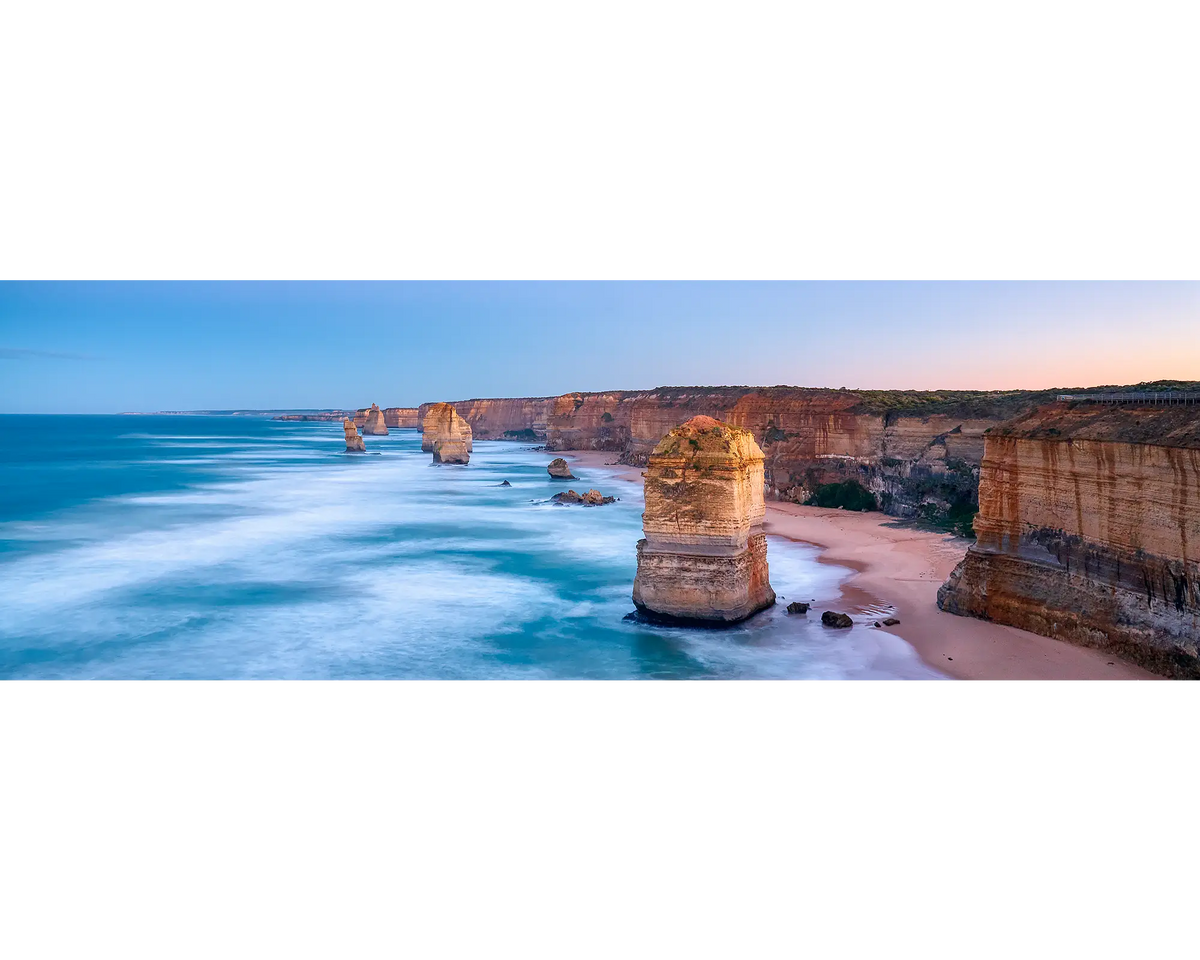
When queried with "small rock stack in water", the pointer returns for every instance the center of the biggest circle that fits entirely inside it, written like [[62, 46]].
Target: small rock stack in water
[[446, 435], [704, 557], [373, 424], [354, 443]]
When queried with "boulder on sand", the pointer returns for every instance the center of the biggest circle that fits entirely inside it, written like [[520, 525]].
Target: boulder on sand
[[559, 470], [833, 619]]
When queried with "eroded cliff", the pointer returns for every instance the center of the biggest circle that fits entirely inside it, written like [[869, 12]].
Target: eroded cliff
[[513, 418], [916, 452], [1089, 531], [402, 418]]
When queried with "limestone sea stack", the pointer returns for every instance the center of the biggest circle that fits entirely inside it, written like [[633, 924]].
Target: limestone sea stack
[[559, 470], [704, 557], [354, 443], [374, 425], [446, 435]]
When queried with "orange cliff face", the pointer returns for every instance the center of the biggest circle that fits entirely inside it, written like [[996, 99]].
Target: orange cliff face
[[401, 418], [914, 462], [918, 454], [513, 418], [1089, 531], [704, 556]]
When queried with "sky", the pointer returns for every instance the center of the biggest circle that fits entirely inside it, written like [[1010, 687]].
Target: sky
[[119, 347]]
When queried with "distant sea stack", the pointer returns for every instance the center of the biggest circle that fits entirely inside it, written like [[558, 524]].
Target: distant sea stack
[[446, 435], [373, 424], [354, 443], [559, 469], [1089, 531], [704, 557], [401, 418]]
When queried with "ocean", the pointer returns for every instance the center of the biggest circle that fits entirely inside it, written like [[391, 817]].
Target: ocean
[[236, 547]]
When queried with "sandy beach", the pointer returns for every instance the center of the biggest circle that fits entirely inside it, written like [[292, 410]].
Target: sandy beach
[[901, 567]]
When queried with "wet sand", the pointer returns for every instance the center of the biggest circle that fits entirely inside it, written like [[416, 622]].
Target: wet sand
[[898, 566]]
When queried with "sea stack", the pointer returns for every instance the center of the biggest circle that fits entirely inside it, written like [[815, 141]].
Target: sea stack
[[704, 557], [446, 435], [354, 443], [374, 425], [559, 469]]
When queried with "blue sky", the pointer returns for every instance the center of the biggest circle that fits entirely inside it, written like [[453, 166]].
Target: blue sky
[[111, 347]]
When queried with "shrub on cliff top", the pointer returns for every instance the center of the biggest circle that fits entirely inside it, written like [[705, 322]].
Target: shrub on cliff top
[[850, 494]]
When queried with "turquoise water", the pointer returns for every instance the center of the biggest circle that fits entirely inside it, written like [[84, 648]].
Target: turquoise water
[[238, 547]]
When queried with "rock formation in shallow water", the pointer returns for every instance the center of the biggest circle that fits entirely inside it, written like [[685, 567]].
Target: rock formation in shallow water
[[559, 469], [401, 418], [373, 424], [446, 435], [354, 443], [1089, 531], [593, 498], [704, 556]]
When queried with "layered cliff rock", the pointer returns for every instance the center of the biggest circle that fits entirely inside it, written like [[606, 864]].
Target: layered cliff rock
[[373, 424], [327, 416], [1089, 531], [401, 418], [354, 443], [704, 556], [917, 453], [519, 418], [446, 435]]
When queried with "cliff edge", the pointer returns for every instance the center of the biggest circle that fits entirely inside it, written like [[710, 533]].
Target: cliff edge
[[1089, 531]]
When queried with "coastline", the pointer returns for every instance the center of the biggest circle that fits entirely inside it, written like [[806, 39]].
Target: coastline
[[902, 567]]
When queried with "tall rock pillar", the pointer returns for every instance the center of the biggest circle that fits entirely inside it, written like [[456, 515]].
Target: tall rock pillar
[[374, 425], [704, 557], [354, 443], [446, 435]]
